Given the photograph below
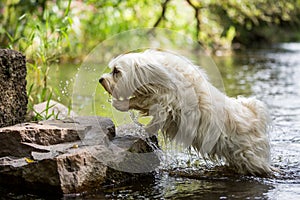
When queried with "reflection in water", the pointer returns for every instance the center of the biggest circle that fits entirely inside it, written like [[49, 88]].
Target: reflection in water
[[217, 189], [166, 187]]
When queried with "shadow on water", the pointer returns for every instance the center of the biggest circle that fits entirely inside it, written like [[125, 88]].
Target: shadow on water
[[273, 75]]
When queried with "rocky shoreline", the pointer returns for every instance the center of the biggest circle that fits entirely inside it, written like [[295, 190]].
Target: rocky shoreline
[[74, 155]]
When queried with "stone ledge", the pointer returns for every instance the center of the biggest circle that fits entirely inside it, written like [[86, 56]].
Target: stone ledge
[[74, 155]]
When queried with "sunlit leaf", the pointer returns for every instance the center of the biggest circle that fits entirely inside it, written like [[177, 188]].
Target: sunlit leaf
[[28, 160]]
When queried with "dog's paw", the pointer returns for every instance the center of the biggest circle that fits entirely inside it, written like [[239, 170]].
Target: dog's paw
[[121, 105]]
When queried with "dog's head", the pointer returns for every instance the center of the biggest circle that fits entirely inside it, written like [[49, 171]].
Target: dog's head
[[135, 74]]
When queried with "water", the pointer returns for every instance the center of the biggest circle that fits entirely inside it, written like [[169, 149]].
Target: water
[[273, 75]]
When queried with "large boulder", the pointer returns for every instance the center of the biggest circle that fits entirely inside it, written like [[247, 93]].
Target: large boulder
[[74, 155], [13, 96]]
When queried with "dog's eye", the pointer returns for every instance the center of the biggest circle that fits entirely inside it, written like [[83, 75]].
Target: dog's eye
[[115, 71]]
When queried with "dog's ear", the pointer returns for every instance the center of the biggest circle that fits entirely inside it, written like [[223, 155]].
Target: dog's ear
[[152, 74], [142, 77]]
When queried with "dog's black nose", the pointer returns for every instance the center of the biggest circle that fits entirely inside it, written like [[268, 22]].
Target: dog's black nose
[[101, 80]]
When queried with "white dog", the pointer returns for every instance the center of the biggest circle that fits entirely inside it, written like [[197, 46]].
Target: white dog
[[189, 110]]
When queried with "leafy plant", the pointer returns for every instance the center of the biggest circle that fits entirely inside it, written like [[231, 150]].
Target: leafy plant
[[45, 114], [42, 36]]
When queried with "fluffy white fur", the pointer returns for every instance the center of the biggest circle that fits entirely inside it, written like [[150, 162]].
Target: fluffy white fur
[[187, 108]]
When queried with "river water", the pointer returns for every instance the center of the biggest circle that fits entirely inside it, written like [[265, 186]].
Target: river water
[[272, 75]]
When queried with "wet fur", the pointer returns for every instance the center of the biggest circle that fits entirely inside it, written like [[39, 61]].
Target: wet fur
[[188, 109]]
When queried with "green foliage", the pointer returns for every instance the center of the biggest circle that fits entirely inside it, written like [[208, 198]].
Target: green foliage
[[44, 114], [47, 113], [44, 29], [42, 34], [251, 19]]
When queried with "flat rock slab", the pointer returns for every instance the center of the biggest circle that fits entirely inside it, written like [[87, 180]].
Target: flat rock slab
[[74, 155]]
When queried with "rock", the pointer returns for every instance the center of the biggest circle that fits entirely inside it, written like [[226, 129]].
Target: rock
[[74, 155], [13, 139], [96, 124], [13, 96], [53, 110]]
